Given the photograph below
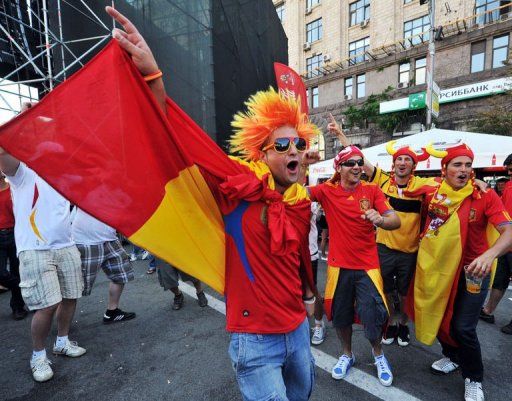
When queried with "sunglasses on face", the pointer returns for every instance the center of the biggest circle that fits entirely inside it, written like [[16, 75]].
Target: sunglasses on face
[[352, 163], [282, 145]]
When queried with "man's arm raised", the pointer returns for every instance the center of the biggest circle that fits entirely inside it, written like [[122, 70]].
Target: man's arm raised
[[132, 41]]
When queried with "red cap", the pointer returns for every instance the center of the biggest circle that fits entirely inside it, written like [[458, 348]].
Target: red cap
[[456, 151]]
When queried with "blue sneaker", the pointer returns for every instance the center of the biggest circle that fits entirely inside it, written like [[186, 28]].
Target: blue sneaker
[[340, 370], [383, 370]]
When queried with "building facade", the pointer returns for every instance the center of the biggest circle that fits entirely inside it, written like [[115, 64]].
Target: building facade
[[348, 50]]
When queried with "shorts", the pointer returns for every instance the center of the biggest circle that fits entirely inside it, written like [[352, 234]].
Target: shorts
[[503, 272], [397, 269], [111, 257], [48, 276], [168, 275], [322, 222], [355, 292]]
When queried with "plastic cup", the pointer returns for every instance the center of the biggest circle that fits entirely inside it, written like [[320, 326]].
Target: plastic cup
[[473, 284]]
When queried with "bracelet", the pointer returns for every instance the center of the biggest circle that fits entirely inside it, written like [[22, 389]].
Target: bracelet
[[310, 300], [153, 76]]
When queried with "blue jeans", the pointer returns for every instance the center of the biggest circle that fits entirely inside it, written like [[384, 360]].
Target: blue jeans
[[274, 367]]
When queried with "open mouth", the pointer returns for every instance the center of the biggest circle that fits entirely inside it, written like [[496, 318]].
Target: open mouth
[[293, 166], [462, 177]]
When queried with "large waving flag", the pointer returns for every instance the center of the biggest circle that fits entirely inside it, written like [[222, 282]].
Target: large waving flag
[[101, 140], [289, 82]]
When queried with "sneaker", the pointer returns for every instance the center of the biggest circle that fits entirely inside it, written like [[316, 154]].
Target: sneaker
[[340, 370], [383, 370], [117, 315], [19, 314], [486, 317], [201, 299], [133, 257], [403, 335], [151, 270], [443, 366], [71, 349], [473, 391], [318, 336], [144, 255], [507, 329], [41, 370], [390, 334], [178, 301]]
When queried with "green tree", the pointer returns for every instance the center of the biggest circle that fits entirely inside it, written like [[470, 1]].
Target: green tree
[[497, 120]]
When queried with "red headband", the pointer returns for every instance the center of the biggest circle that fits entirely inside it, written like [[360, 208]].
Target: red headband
[[346, 154]]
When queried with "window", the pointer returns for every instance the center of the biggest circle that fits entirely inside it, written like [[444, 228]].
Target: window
[[280, 12], [361, 85], [488, 10], [499, 51], [314, 96], [349, 84], [408, 1], [478, 56], [420, 73], [357, 51], [359, 12], [403, 72], [314, 30], [312, 63], [311, 3], [415, 27]]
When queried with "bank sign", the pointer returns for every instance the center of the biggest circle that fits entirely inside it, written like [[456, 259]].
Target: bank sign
[[457, 94]]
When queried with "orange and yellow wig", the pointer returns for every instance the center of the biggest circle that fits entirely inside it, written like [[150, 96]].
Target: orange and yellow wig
[[267, 111]]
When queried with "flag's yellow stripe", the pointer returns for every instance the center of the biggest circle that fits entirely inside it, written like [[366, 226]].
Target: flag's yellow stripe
[[187, 229]]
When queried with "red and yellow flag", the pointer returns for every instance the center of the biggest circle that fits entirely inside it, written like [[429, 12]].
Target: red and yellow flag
[[101, 140]]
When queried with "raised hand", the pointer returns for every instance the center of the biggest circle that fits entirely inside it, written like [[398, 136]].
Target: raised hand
[[311, 156], [132, 41], [334, 129]]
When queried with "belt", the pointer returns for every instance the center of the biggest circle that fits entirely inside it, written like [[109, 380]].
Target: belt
[[6, 230]]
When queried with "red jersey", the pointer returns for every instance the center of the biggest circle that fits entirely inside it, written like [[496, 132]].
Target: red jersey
[[6, 213], [506, 197], [263, 291], [352, 239], [487, 209]]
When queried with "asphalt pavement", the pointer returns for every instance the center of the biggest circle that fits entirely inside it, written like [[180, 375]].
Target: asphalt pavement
[[182, 355]]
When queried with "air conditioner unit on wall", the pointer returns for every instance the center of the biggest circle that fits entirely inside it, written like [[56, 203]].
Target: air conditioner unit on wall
[[308, 11], [327, 58], [348, 97], [307, 46], [364, 23], [402, 85]]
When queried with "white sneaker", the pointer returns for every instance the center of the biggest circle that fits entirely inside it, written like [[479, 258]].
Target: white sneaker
[[443, 366], [133, 257], [318, 336], [473, 391], [340, 370], [41, 370], [144, 255], [71, 349]]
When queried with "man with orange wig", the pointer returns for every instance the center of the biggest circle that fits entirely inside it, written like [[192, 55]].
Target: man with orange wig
[[268, 278], [454, 261]]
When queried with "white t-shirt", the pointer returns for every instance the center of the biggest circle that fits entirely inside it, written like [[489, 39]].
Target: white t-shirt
[[41, 213], [86, 230], [313, 232]]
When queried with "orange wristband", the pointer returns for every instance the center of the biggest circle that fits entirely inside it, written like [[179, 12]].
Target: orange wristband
[[152, 77]]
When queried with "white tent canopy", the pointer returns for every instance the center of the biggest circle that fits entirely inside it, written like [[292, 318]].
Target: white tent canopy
[[490, 151]]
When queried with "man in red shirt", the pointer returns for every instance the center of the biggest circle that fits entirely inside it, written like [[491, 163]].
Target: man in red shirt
[[266, 220], [454, 255], [504, 267], [9, 279], [353, 209]]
